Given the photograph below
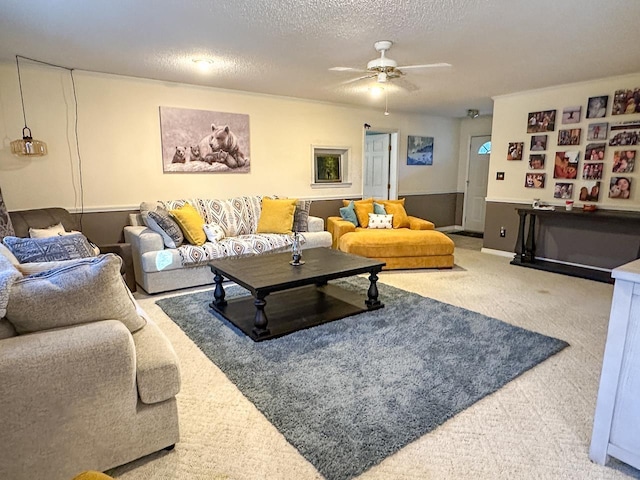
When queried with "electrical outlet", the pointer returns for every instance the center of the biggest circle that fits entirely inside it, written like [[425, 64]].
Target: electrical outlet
[[503, 232]]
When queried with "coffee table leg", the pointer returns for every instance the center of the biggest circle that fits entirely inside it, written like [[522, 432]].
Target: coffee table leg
[[218, 293], [372, 301], [260, 320]]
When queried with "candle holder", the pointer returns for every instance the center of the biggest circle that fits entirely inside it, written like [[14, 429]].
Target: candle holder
[[296, 251]]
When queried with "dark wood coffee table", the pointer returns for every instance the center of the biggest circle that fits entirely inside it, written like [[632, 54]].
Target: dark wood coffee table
[[299, 296]]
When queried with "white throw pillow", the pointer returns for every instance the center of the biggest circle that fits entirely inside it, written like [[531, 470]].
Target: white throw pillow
[[52, 231], [380, 221], [214, 232], [90, 290]]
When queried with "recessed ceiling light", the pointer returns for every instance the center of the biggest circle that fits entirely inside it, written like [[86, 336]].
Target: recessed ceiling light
[[204, 64]]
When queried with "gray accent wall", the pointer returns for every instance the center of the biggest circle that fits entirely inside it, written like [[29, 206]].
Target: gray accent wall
[[595, 243]]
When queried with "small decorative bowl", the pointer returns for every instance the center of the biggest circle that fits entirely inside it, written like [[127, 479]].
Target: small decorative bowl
[[589, 208]]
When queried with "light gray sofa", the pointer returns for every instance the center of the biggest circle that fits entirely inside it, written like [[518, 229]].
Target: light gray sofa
[[87, 380], [159, 268]]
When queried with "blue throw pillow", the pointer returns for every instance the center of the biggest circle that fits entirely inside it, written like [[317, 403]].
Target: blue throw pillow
[[50, 249], [378, 209], [349, 213]]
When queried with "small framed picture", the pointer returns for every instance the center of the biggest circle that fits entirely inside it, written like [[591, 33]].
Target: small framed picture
[[597, 106], [563, 190], [620, 187], [626, 102], [589, 192], [329, 165], [538, 143], [624, 161], [571, 114], [592, 171], [569, 136], [419, 150], [594, 152], [536, 161], [566, 165], [598, 131], [534, 180], [544, 121], [515, 151]]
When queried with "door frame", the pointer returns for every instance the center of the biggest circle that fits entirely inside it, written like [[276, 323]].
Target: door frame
[[466, 180], [393, 157]]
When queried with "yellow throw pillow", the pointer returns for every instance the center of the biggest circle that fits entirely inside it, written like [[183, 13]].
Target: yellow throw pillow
[[191, 224], [394, 207], [277, 215], [399, 201], [363, 208]]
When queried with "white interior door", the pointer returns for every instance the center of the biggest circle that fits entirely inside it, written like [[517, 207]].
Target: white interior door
[[376, 166], [477, 180]]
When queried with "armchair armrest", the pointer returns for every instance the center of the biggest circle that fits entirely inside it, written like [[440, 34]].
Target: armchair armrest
[[416, 223], [337, 227]]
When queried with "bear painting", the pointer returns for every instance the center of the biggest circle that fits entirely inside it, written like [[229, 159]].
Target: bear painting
[[216, 142]]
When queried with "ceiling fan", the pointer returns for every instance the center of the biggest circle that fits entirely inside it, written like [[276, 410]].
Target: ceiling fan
[[384, 68]]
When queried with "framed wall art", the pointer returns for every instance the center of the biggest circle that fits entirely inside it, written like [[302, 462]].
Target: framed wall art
[[419, 150], [514, 152], [597, 106], [544, 121], [202, 141], [329, 166], [571, 114], [626, 102]]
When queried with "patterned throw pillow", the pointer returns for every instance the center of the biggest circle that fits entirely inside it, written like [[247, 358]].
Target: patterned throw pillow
[[160, 222], [214, 232], [51, 249], [380, 221], [6, 227], [301, 216]]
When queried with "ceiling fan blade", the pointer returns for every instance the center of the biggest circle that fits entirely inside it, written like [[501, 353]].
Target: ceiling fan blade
[[346, 69], [405, 84], [372, 75], [428, 65]]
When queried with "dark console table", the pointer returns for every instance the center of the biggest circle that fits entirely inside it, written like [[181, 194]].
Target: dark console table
[[580, 221]]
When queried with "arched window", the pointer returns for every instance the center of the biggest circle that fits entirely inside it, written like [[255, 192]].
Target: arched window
[[485, 148]]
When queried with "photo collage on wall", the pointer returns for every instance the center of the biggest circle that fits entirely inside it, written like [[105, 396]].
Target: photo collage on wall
[[581, 172]]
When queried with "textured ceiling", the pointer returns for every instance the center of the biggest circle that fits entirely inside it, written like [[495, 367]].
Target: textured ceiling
[[286, 47]]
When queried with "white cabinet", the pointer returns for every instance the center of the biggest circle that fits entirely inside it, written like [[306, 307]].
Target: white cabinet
[[616, 425]]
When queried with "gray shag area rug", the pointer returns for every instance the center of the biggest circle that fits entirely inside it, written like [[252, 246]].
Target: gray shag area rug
[[349, 393]]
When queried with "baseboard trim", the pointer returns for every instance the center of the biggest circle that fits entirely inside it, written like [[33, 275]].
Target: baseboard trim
[[499, 253]]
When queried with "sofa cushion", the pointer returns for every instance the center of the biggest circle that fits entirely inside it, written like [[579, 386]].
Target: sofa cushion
[[301, 216], [161, 222], [213, 231], [380, 221], [378, 209], [348, 213], [190, 223], [90, 290], [276, 215], [50, 249], [400, 242], [400, 217]]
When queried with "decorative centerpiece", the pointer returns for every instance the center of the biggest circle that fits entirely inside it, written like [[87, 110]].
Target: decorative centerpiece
[[296, 251]]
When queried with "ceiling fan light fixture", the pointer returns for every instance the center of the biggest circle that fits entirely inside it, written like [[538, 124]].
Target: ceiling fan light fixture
[[204, 64], [382, 77], [376, 91]]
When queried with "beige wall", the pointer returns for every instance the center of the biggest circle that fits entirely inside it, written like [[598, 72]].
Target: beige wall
[[120, 148], [510, 125]]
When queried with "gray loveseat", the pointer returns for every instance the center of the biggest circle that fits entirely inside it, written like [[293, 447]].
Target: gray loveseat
[[87, 380], [159, 268]]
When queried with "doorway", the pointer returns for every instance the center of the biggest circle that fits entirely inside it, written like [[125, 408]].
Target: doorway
[[476, 186], [380, 169]]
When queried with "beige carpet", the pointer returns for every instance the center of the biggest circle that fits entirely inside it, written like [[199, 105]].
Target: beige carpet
[[536, 427]]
